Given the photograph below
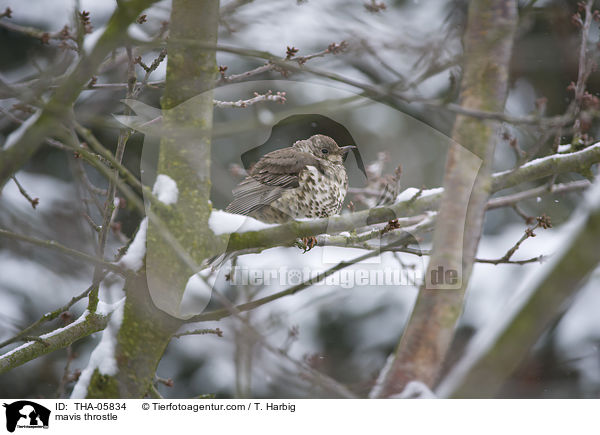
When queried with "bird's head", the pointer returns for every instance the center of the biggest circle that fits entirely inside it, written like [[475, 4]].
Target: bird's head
[[324, 147]]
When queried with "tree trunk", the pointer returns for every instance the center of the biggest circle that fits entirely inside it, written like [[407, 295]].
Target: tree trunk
[[153, 297], [467, 186]]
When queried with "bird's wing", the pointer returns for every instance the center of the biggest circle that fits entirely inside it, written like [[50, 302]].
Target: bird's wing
[[269, 178]]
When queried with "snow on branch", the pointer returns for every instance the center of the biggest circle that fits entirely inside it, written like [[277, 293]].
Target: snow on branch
[[102, 357], [134, 257], [165, 189], [278, 97], [578, 161], [86, 324]]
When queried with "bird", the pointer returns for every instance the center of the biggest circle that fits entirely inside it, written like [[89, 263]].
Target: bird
[[305, 180]]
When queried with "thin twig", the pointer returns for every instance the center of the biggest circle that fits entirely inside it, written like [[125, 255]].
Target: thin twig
[[543, 222], [46, 318], [33, 201], [137, 88], [109, 205], [510, 200], [67, 376], [216, 332], [584, 69], [539, 258], [44, 37], [55, 246]]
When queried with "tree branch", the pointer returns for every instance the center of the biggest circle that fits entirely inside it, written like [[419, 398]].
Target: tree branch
[[46, 318], [578, 161], [467, 183], [286, 234], [87, 324], [404, 236], [496, 351], [60, 104], [278, 97], [51, 244]]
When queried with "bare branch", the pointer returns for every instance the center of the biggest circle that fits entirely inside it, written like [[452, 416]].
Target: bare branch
[[539, 258], [510, 200], [7, 13], [585, 65], [61, 102], [542, 221], [51, 244], [44, 37], [33, 201], [216, 332], [46, 318]]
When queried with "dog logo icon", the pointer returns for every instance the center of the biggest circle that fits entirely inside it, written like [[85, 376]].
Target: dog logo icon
[[26, 414]]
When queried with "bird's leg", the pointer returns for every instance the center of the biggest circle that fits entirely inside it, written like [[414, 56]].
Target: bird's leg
[[306, 243]]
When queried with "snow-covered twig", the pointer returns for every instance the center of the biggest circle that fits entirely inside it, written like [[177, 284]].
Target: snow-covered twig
[[269, 96], [578, 161], [85, 325]]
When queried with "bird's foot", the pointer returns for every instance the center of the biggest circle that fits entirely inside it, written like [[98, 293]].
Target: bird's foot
[[306, 243]]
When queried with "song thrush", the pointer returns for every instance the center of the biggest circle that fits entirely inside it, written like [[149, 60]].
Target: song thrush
[[306, 180]]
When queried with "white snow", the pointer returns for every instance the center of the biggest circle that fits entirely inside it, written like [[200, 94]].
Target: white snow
[[377, 389], [221, 222], [592, 197], [165, 189], [80, 319], [407, 194], [134, 257], [550, 157], [103, 356], [434, 191], [105, 308], [415, 390], [14, 136]]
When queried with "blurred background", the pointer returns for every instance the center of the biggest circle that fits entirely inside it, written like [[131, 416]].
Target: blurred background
[[345, 332]]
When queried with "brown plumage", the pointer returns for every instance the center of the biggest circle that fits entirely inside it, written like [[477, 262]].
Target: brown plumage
[[306, 180]]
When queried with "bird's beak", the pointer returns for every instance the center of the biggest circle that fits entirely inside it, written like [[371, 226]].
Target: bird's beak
[[347, 148]]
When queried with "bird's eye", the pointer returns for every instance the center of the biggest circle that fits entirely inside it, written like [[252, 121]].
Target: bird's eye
[[325, 151]]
